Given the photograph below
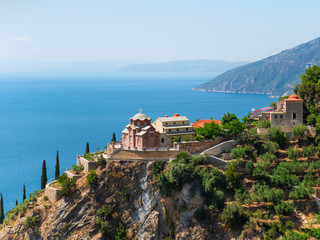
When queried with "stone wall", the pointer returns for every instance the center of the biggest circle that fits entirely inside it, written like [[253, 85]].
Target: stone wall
[[88, 165], [220, 148], [137, 155], [198, 146], [52, 193], [73, 176]]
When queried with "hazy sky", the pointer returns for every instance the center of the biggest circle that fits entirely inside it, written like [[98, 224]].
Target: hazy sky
[[148, 30]]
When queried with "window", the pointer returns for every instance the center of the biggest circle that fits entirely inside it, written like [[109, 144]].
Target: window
[[162, 140], [138, 124], [294, 115], [174, 123], [275, 116], [166, 123], [169, 130], [187, 129], [281, 116], [182, 122], [177, 130]]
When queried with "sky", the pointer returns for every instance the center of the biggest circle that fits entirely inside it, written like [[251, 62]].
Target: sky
[[155, 31]]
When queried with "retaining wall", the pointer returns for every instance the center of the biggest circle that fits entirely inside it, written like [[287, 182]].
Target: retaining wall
[[198, 146], [220, 148], [52, 193], [73, 175], [88, 165], [136, 155]]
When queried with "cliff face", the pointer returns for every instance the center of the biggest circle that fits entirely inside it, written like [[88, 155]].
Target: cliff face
[[275, 75], [142, 210]]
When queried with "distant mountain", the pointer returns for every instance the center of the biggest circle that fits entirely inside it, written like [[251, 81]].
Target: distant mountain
[[274, 75], [184, 66]]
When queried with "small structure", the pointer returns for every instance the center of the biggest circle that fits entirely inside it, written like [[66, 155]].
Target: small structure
[[289, 113], [140, 133], [201, 123], [170, 127]]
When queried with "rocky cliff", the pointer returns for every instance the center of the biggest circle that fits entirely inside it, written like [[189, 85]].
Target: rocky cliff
[[136, 203], [275, 75]]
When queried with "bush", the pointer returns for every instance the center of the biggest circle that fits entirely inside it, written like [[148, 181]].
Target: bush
[[209, 131], [102, 222], [101, 161], [292, 153], [264, 124], [198, 138], [176, 139], [232, 176], [31, 222], [120, 232], [250, 167], [92, 177], [187, 138], [158, 166], [277, 135], [284, 208], [66, 184], [123, 195], [300, 132], [234, 216], [77, 168], [45, 198], [270, 147]]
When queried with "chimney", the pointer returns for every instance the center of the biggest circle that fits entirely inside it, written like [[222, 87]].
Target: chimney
[[166, 115], [176, 115]]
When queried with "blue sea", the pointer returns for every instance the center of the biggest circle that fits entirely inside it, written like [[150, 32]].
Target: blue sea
[[44, 113]]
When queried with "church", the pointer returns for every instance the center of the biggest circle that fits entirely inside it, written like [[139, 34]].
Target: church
[[140, 133]]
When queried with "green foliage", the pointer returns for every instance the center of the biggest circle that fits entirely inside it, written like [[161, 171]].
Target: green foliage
[[101, 161], [273, 104], [283, 98], [241, 152], [262, 193], [300, 132], [310, 232], [31, 222], [209, 131], [250, 167], [242, 196], [158, 166], [45, 198], [77, 168], [57, 167], [1, 209], [270, 146], [66, 184], [309, 92], [24, 192], [290, 235], [293, 154], [187, 138], [92, 177], [44, 178], [264, 124], [275, 134], [282, 174], [232, 175], [113, 139], [198, 137], [314, 167], [302, 191], [231, 125], [180, 173], [308, 151], [234, 216], [176, 139], [87, 148], [123, 195], [284, 208], [102, 222], [120, 232]]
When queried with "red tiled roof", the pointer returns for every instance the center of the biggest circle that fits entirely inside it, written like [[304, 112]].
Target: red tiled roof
[[293, 97], [202, 122]]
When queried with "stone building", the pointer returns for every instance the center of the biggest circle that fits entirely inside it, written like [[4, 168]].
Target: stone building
[[171, 127], [140, 134], [289, 113]]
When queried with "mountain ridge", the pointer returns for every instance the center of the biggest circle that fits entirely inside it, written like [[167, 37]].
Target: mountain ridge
[[275, 75]]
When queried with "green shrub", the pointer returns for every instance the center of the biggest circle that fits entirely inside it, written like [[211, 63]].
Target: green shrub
[[45, 198], [123, 195], [284, 208], [187, 138], [101, 161], [264, 124], [234, 216], [271, 146], [31, 222], [176, 139], [92, 177], [232, 176], [198, 138], [250, 167], [66, 184], [102, 222], [77, 168], [158, 166], [275, 134], [120, 232], [292, 153]]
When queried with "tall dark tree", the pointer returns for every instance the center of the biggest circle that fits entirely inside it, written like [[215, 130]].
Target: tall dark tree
[[16, 202], [114, 139], [44, 178], [24, 196], [1, 209], [87, 148], [57, 171]]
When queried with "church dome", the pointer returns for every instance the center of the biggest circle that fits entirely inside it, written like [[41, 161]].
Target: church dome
[[140, 116], [293, 96]]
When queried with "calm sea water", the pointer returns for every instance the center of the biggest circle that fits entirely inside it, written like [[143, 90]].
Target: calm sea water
[[43, 114]]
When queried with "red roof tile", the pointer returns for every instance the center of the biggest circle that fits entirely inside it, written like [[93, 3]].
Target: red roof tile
[[201, 123]]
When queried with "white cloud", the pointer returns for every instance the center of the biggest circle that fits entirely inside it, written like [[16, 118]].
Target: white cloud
[[22, 39]]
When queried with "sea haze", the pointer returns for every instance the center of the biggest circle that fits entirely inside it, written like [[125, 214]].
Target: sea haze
[[43, 114]]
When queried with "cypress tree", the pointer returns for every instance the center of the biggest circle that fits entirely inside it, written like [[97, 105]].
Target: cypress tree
[[1, 209], [24, 192], [87, 148], [16, 202], [114, 139], [44, 175], [57, 172]]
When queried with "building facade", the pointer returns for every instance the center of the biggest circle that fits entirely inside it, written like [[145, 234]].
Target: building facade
[[140, 134], [289, 113], [173, 127]]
